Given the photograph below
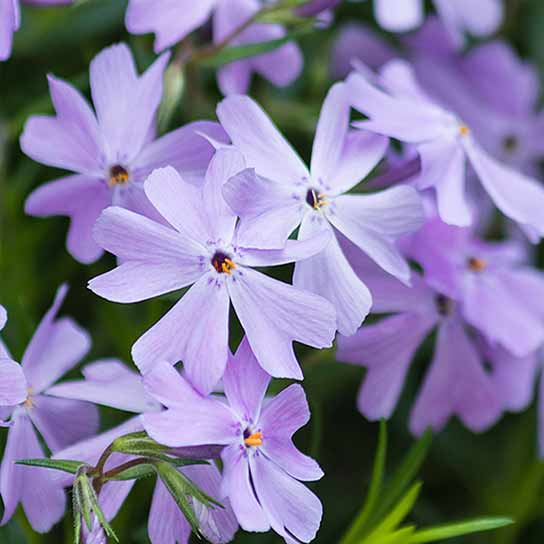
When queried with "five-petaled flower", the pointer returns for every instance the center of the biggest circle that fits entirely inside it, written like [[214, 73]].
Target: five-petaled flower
[[203, 247], [261, 465]]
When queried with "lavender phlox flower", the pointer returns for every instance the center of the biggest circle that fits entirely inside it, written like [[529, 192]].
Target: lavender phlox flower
[[277, 193], [110, 383], [56, 347], [202, 248], [261, 465], [111, 151], [494, 91], [483, 301], [402, 110]]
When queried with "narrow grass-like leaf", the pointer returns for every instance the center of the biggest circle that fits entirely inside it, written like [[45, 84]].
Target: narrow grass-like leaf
[[451, 530], [63, 465], [403, 476], [359, 526], [401, 510]]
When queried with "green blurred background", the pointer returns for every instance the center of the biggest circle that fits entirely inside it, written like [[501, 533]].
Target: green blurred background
[[465, 474]]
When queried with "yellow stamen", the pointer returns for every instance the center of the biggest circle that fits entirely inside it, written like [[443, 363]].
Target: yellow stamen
[[29, 403], [118, 176], [227, 266], [464, 130], [476, 264], [254, 439]]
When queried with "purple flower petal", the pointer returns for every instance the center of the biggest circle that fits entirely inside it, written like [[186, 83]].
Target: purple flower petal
[[294, 251], [496, 311], [238, 487], [331, 132], [130, 236], [109, 383], [269, 210], [42, 499], [164, 383], [290, 506], [82, 199], [455, 384], [71, 140], [168, 19], [358, 41], [361, 153], [145, 100], [374, 222], [386, 349], [282, 416], [218, 524], [443, 166], [166, 523], [180, 203], [514, 377], [13, 386], [203, 346], [226, 163], [399, 15], [263, 147], [517, 196], [9, 23], [56, 347], [234, 77], [3, 317], [201, 421], [185, 149], [273, 314], [113, 80], [330, 275], [245, 383], [62, 422]]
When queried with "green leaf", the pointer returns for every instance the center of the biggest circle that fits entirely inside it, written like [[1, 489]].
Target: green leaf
[[358, 527], [137, 472], [93, 498], [139, 444], [82, 497], [401, 510], [451, 530], [400, 536], [403, 475], [55, 464], [175, 483], [237, 52]]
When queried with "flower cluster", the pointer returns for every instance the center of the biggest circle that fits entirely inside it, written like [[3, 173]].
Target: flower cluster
[[203, 212]]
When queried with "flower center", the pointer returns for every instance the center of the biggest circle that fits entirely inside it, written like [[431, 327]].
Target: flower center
[[315, 199], [253, 439], [476, 265], [29, 402], [223, 263], [510, 143], [118, 175], [444, 305], [464, 130]]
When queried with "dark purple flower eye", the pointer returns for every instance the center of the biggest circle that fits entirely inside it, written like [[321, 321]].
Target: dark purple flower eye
[[315, 199], [444, 305], [118, 175], [510, 143], [476, 265], [223, 263]]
